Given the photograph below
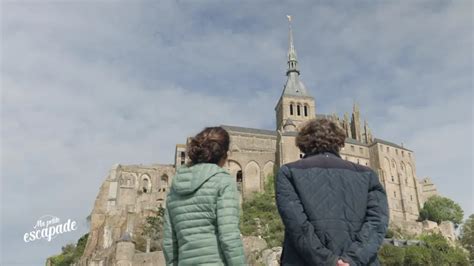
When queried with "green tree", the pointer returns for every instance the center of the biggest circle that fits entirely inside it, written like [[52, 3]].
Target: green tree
[[467, 235], [70, 253], [439, 209]]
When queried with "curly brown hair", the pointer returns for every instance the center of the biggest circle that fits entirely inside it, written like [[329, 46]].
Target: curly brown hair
[[209, 146], [320, 135]]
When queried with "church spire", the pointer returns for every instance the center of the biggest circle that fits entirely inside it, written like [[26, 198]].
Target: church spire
[[292, 61]]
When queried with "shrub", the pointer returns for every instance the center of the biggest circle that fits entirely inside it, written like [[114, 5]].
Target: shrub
[[262, 208], [417, 256], [391, 255]]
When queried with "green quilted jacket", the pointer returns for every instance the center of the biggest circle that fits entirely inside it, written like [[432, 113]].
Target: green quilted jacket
[[202, 218]]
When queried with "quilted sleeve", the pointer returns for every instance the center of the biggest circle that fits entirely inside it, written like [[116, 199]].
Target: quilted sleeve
[[371, 235], [228, 215], [297, 227], [170, 242]]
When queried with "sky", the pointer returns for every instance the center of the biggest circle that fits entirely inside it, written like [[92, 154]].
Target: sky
[[88, 84]]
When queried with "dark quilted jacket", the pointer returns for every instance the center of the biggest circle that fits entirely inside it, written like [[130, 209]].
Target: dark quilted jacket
[[332, 209]]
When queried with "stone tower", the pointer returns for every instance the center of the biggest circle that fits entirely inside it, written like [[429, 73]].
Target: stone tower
[[294, 107], [355, 123]]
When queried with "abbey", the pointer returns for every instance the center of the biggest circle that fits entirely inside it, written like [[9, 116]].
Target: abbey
[[131, 193]]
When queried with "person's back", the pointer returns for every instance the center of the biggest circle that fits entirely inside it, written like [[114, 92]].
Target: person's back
[[334, 211], [202, 211]]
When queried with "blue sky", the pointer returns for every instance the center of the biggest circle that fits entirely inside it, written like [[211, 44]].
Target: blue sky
[[87, 84]]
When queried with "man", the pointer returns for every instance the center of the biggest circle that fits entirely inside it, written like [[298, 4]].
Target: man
[[335, 212]]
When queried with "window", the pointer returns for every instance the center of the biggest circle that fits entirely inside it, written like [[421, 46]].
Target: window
[[393, 164], [305, 110], [395, 194], [411, 197], [367, 164], [352, 148], [301, 155], [393, 179], [291, 109], [361, 150], [298, 110], [406, 181], [388, 149], [403, 154]]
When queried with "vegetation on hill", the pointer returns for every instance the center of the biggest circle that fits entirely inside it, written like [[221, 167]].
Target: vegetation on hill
[[439, 209], [260, 216], [467, 236], [434, 250], [71, 253]]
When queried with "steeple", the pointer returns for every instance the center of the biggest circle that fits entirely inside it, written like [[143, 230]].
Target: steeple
[[293, 86], [292, 61]]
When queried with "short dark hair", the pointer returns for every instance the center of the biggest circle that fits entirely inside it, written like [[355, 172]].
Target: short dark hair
[[209, 146], [320, 135]]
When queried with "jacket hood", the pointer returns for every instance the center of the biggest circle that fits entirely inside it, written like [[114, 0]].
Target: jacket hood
[[188, 179]]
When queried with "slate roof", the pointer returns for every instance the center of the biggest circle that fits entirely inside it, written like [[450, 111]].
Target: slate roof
[[376, 140], [249, 130]]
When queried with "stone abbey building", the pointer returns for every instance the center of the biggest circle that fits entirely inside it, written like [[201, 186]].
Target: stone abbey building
[[130, 193]]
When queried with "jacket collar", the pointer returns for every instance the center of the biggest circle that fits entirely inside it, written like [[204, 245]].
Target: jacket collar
[[327, 154]]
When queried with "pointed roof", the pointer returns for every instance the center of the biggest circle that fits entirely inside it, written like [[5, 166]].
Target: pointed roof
[[293, 86]]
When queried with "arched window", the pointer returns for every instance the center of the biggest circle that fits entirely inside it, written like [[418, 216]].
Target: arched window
[[164, 182], [298, 110], [239, 179], [305, 110], [145, 185], [291, 109]]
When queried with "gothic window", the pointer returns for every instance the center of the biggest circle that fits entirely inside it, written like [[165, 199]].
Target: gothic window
[[366, 163], [239, 180], [305, 110], [298, 110], [291, 109], [352, 148], [393, 179], [301, 155], [164, 182], [183, 157], [145, 185], [393, 163], [361, 150]]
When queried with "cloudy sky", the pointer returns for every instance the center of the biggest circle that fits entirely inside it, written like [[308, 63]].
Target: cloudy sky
[[87, 84]]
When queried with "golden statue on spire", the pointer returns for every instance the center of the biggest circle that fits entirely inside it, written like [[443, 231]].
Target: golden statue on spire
[[288, 17]]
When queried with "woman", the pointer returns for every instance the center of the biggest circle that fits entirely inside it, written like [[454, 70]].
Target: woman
[[202, 213], [335, 212]]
